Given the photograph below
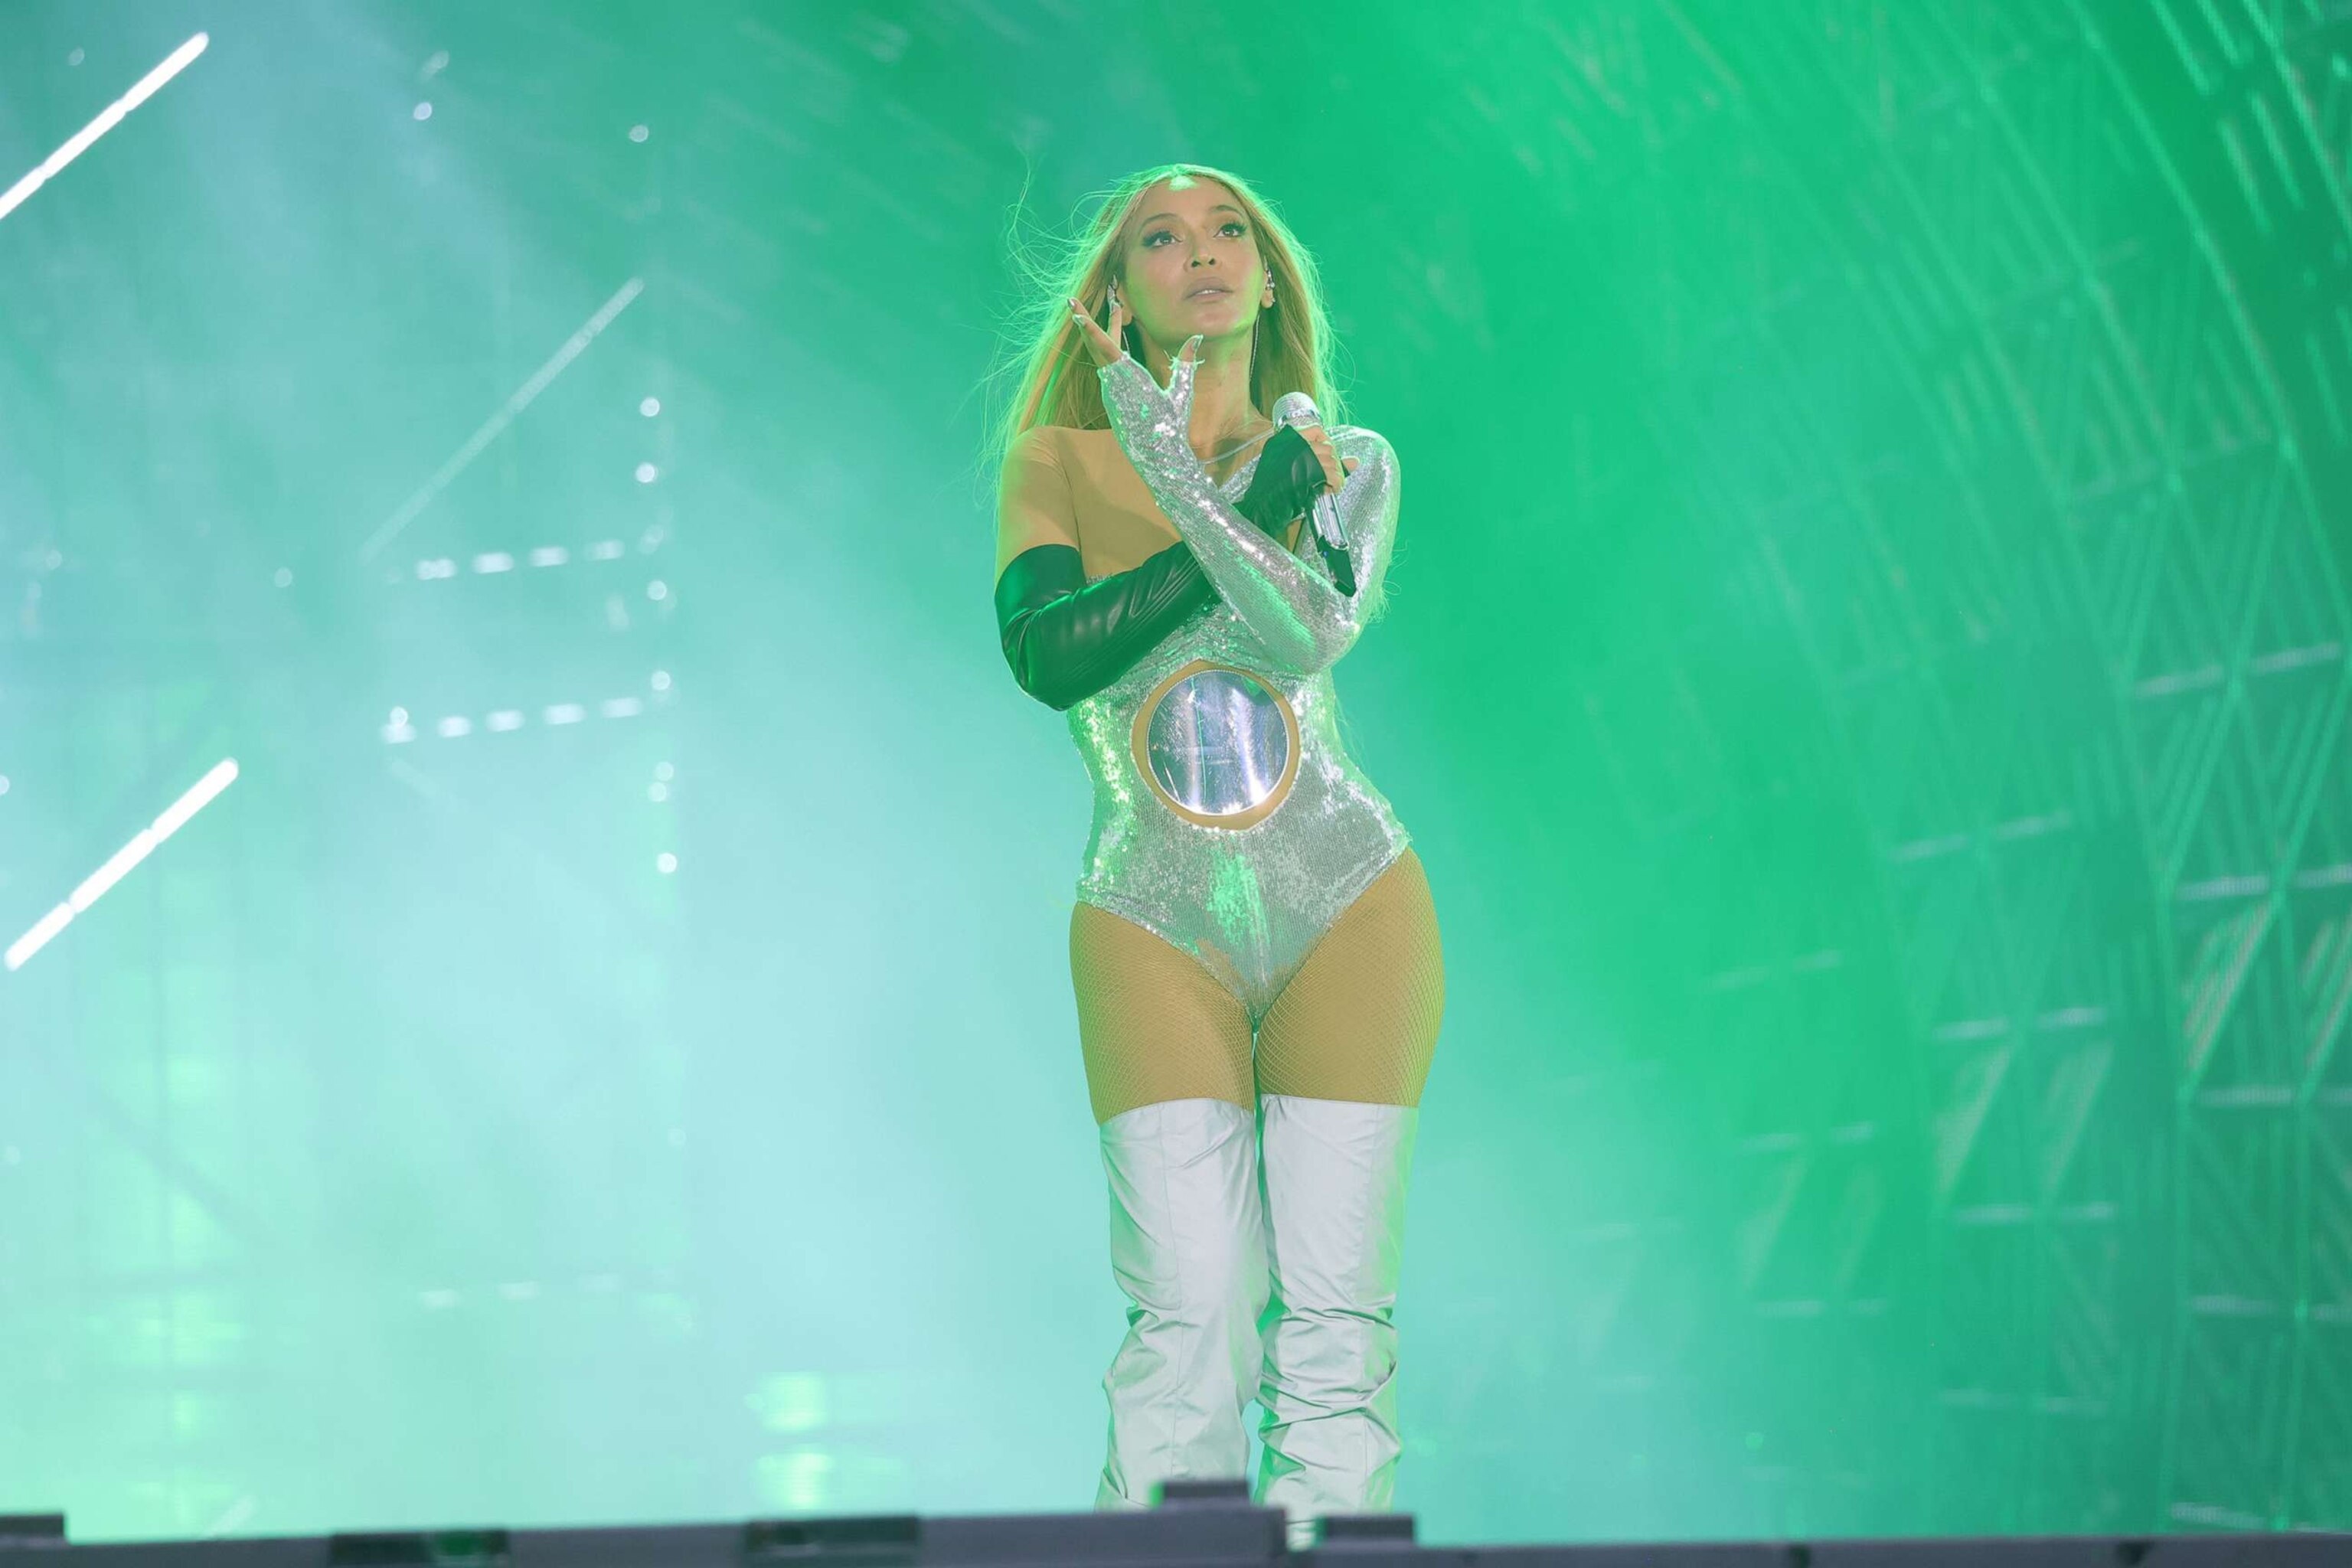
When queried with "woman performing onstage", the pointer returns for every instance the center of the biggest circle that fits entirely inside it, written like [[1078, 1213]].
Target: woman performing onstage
[[1161, 578]]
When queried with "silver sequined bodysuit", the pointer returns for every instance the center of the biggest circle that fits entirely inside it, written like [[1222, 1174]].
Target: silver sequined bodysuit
[[1229, 818]]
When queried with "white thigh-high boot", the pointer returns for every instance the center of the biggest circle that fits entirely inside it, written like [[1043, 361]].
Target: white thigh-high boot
[[1187, 1246], [1335, 1174]]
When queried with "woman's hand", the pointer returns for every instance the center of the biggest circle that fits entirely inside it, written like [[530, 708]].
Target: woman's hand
[[1106, 346], [1335, 473]]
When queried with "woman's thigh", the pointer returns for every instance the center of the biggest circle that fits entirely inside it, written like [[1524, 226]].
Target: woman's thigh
[[1359, 1020], [1152, 1023]]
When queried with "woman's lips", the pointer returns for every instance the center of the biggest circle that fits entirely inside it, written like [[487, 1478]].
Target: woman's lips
[[1215, 292]]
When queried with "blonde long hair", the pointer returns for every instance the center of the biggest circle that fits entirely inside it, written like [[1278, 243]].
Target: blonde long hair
[[1052, 374]]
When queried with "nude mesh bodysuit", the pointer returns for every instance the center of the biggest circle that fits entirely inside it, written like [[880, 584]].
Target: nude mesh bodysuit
[[1229, 818]]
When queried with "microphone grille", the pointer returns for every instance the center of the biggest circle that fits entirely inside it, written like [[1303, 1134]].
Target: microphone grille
[[1295, 408]]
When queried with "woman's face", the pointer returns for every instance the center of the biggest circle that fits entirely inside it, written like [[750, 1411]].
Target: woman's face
[[1190, 263]]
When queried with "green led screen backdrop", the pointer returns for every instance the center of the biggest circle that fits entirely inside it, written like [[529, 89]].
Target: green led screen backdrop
[[1867, 674]]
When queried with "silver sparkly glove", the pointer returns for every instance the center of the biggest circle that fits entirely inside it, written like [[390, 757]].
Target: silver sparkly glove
[[1302, 621]]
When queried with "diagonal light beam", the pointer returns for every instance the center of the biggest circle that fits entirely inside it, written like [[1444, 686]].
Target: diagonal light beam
[[571, 350], [140, 91], [119, 863]]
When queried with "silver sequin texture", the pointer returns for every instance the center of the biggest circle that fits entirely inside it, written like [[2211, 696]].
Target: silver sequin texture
[[1248, 903]]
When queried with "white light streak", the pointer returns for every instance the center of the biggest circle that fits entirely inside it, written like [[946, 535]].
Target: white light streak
[[195, 800], [118, 864], [33, 941], [111, 116], [574, 346], [491, 562], [501, 721], [116, 867]]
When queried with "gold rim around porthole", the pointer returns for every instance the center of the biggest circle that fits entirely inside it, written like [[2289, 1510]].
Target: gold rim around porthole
[[1139, 747]]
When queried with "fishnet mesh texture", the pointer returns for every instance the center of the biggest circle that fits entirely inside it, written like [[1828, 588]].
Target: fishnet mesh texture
[[1357, 1021]]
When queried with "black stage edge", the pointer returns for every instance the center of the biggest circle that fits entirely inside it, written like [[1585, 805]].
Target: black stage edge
[[1197, 1525]]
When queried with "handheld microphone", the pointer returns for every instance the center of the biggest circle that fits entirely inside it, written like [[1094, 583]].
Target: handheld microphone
[[1297, 408]]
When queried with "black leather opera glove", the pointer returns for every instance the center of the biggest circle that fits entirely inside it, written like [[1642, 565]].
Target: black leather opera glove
[[1301, 621], [1067, 638], [1288, 477]]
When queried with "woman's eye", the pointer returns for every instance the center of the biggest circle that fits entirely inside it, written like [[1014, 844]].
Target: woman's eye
[[1157, 234]]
